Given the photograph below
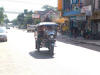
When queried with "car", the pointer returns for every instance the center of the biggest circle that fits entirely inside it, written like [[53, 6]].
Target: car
[[30, 28], [7, 27], [3, 34]]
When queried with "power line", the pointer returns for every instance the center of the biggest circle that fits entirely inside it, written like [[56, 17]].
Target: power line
[[12, 12], [23, 2]]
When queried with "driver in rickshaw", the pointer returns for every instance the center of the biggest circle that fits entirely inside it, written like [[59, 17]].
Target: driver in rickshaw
[[41, 33], [50, 29]]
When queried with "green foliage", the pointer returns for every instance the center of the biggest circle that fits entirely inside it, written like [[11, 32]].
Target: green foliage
[[25, 11], [6, 20], [28, 19], [47, 7], [20, 19], [36, 21], [1, 15], [14, 22], [25, 18]]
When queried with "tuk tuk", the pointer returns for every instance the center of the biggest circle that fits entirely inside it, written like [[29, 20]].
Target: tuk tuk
[[46, 36]]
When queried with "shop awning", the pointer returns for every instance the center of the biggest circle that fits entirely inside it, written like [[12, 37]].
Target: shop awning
[[61, 20], [71, 13]]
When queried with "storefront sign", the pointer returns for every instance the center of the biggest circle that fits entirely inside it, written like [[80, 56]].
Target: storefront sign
[[35, 16], [87, 10], [81, 18]]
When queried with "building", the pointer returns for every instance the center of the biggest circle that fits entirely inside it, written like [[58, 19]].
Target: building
[[50, 15], [84, 15], [95, 19], [72, 10], [97, 4], [47, 15]]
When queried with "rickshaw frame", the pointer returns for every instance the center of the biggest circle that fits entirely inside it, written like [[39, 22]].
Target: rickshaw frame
[[50, 43]]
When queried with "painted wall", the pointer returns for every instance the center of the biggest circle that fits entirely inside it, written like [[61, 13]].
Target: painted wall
[[97, 4]]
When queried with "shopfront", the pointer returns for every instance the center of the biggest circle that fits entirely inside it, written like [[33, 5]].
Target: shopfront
[[63, 24], [77, 22], [95, 25], [77, 25]]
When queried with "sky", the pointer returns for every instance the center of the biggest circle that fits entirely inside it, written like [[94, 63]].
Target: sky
[[20, 5]]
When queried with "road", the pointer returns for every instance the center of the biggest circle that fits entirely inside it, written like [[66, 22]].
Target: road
[[19, 57]]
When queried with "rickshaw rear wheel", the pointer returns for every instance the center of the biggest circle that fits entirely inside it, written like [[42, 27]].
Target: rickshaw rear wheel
[[51, 50], [38, 49], [37, 46]]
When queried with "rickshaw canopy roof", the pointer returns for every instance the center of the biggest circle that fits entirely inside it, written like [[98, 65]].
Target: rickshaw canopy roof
[[47, 24]]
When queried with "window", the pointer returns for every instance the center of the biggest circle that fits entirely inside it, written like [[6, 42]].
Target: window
[[66, 5], [98, 4]]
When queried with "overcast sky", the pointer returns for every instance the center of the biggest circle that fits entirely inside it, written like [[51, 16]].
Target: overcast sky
[[20, 5]]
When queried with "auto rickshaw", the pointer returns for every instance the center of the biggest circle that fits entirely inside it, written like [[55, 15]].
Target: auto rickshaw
[[46, 36]]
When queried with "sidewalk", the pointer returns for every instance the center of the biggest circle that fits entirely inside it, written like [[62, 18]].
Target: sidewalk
[[63, 38]]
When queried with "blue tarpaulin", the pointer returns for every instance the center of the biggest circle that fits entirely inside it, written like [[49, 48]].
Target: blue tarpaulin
[[71, 13]]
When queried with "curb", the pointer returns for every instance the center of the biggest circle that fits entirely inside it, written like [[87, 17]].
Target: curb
[[86, 43], [79, 41]]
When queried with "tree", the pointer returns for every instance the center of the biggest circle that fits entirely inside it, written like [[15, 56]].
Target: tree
[[28, 19], [15, 22], [1, 15], [25, 18], [25, 11], [47, 7], [6, 20], [36, 21], [20, 19]]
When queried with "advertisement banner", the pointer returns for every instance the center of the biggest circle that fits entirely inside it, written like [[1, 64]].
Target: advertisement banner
[[87, 10], [60, 5]]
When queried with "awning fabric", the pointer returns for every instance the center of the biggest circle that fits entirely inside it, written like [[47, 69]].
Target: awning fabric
[[61, 20], [71, 13]]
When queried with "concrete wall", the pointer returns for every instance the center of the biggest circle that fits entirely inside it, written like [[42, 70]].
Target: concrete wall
[[97, 4]]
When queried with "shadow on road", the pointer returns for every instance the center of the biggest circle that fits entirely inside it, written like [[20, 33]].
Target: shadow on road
[[2, 41], [84, 45], [40, 55]]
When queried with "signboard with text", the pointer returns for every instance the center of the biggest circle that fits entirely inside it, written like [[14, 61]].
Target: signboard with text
[[87, 10]]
